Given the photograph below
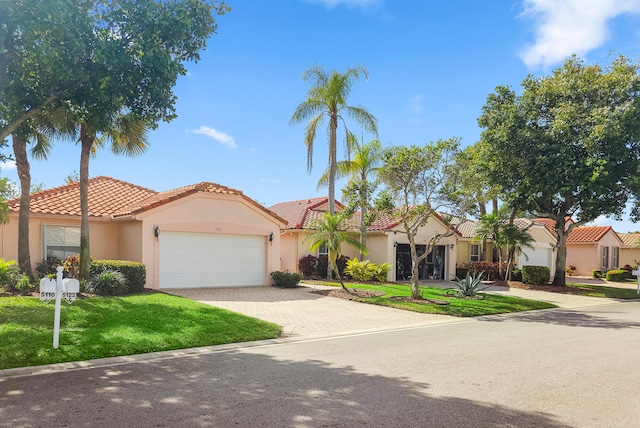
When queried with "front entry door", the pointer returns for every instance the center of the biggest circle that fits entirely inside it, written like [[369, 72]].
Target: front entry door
[[432, 267]]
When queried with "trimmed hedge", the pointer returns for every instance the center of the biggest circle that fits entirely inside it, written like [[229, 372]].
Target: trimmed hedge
[[286, 279], [134, 273], [536, 275], [617, 275], [596, 273]]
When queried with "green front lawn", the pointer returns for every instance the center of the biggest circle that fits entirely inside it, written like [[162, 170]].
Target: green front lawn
[[602, 291], [113, 326], [490, 305]]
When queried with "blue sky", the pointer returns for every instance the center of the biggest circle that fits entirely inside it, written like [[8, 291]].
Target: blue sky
[[431, 66]]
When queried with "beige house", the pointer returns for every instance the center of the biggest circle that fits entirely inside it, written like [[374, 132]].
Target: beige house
[[593, 247], [630, 249], [386, 241], [542, 254], [202, 235]]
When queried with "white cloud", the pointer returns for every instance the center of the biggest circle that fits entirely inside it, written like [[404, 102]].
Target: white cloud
[[565, 27], [416, 103], [349, 3], [601, 221], [219, 136], [8, 165]]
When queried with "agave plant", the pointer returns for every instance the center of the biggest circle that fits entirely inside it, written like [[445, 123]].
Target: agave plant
[[469, 286]]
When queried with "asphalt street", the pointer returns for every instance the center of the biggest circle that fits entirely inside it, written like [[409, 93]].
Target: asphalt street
[[552, 368]]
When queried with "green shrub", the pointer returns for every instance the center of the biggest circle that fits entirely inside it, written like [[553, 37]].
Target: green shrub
[[286, 279], [366, 271], [516, 275], [359, 270], [23, 285], [108, 283], [596, 273], [381, 271], [461, 272], [617, 275], [47, 267], [134, 273], [469, 286], [8, 274], [536, 275]]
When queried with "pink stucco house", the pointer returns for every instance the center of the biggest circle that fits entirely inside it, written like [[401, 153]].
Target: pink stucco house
[[386, 241], [201, 235], [593, 247]]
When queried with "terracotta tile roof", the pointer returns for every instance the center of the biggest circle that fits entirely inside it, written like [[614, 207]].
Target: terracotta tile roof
[[109, 197], [550, 224], [106, 197], [301, 213], [469, 228], [588, 234], [630, 239]]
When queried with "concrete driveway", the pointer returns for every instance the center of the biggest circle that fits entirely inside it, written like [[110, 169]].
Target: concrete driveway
[[301, 313]]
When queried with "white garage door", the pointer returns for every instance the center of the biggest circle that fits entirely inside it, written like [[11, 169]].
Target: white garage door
[[196, 260], [538, 256]]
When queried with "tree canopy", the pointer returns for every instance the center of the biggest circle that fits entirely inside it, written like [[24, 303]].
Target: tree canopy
[[568, 145]]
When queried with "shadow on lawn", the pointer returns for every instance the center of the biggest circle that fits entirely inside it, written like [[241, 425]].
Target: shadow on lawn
[[566, 317], [242, 389]]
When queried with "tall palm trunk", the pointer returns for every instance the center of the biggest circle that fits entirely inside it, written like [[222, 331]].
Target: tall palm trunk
[[333, 126], [87, 138], [24, 174]]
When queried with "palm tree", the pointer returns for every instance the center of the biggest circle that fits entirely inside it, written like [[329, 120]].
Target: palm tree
[[516, 239], [362, 181], [128, 136], [327, 97], [42, 127], [330, 231]]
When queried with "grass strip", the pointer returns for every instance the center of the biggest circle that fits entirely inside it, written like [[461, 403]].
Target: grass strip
[[490, 304]]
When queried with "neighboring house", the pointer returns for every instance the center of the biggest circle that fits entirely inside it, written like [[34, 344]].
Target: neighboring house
[[593, 247], [542, 253], [630, 249], [386, 241], [202, 235]]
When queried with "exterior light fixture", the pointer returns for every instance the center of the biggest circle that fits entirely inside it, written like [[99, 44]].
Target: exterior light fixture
[[156, 231]]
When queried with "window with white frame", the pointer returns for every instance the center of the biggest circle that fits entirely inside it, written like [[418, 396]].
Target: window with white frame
[[61, 241], [605, 257], [615, 261], [475, 253], [323, 250]]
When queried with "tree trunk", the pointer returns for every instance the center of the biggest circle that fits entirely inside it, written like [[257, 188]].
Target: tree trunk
[[561, 253], [24, 174], [333, 126], [363, 229], [87, 138], [415, 274]]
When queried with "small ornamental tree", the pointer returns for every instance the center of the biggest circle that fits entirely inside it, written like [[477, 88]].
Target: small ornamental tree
[[420, 182]]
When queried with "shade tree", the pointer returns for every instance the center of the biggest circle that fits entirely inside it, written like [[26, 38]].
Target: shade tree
[[568, 145]]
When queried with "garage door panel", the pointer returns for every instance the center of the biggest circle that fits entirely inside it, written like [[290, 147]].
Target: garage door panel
[[211, 260]]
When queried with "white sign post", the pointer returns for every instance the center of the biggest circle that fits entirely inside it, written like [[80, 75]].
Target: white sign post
[[58, 289], [637, 274]]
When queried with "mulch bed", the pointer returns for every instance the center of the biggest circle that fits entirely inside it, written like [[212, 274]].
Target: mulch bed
[[353, 293]]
